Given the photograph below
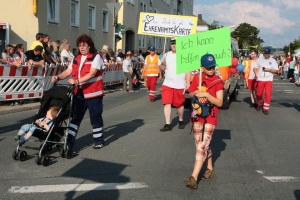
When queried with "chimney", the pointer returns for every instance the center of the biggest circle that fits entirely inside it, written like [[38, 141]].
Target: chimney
[[200, 17]]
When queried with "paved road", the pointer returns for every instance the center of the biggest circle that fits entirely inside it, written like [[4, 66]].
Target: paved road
[[255, 156]]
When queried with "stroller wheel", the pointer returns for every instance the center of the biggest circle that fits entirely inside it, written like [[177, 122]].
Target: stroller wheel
[[15, 155], [69, 153], [22, 155], [37, 160], [45, 160], [62, 152]]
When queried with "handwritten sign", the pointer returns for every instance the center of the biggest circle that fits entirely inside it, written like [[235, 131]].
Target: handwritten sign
[[166, 25], [190, 49]]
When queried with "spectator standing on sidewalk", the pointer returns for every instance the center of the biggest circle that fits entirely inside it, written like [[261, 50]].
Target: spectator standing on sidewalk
[[66, 55], [296, 73], [38, 42], [265, 69], [252, 82], [151, 68], [35, 57], [203, 126], [173, 88], [9, 57], [127, 72], [19, 55]]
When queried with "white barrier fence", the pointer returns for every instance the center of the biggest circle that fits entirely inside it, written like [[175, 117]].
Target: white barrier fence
[[18, 83]]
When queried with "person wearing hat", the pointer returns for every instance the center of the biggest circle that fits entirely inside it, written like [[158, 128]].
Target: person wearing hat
[[152, 71], [247, 66], [173, 88], [265, 68], [211, 93]]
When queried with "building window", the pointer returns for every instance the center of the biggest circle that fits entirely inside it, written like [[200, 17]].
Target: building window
[[168, 2], [143, 7], [105, 21], [175, 4], [142, 41], [131, 2], [92, 17], [75, 13], [53, 11], [155, 41]]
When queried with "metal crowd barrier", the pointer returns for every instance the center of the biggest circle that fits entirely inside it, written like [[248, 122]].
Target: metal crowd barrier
[[18, 83]]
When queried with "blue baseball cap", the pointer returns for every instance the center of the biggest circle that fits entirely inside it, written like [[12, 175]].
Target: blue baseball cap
[[152, 48], [208, 60], [267, 50]]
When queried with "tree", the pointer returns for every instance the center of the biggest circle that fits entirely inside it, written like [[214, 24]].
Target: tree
[[292, 47], [247, 36], [214, 25]]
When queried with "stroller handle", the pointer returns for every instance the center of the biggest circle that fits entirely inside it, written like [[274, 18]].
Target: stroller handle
[[71, 87]]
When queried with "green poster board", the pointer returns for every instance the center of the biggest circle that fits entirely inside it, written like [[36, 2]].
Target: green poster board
[[190, 49]]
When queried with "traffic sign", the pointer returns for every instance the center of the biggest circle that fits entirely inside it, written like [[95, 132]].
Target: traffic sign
[[114, 8]]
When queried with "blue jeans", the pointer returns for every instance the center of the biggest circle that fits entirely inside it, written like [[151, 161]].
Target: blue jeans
[[285, 73], [296, 76], [28, 128], [95, 107]]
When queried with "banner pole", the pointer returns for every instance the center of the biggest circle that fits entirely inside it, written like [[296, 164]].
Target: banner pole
[[165, 45]]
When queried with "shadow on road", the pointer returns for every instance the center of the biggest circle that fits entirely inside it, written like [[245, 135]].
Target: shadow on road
[[111, 134], [297, 194], [95, 171], [218, 145], [291, 105]]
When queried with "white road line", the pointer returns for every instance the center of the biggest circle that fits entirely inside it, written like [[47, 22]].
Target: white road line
[[288, 90], [76, 187], [282, 83], [260, 171], [278, 179]]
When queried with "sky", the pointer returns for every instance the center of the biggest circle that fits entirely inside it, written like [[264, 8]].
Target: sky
[[276, 19]]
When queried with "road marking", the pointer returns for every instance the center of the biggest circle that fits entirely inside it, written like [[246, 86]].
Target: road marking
[[260, 171], [288, 90], [278, 179], [76, 187]]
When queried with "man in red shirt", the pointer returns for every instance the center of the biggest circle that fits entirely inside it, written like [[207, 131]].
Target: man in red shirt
[[211, 93]]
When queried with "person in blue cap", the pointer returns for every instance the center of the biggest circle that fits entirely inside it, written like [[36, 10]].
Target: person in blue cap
[[265, 69], [211, 95]]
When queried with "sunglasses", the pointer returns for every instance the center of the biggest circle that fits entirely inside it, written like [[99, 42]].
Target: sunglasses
[[210, 68]]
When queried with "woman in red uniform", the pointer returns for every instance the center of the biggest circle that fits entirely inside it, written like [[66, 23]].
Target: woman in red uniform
[[87, 76]]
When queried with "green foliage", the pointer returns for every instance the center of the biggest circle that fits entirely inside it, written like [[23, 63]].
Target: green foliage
[[292, 46], [248, 36], [214, 25]]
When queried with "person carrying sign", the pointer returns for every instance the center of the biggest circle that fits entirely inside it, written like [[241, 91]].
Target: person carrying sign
[[151, 69], [173, 88], [206, 92]]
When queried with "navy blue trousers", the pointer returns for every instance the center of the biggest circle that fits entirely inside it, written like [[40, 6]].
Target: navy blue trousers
[[95, 107]]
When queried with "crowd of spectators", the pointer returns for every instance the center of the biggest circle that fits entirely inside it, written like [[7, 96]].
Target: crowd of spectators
[[44, 51]]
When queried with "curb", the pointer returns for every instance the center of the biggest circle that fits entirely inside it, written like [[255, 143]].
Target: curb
[[32, 106]]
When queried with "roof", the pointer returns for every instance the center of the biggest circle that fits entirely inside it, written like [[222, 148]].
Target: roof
[[201, 22]]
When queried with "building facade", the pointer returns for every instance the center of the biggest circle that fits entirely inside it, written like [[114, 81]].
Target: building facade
[[67, 19], [60, 19]]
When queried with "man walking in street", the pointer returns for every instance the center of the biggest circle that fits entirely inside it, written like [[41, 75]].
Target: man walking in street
[[173, 88], [151, 68], [265, 69]]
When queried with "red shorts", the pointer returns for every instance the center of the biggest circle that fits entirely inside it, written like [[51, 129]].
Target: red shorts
[[176, 97], [252, 84]]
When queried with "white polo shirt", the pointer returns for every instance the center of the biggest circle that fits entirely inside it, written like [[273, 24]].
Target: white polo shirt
[[266, 63]]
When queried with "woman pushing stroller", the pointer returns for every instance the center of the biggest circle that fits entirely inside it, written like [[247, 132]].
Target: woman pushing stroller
[[87, 76]]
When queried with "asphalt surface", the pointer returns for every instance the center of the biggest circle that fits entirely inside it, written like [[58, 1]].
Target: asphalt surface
[[248, 148]]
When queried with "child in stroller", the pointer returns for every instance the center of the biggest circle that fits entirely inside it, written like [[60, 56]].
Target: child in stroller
[[43, 124]]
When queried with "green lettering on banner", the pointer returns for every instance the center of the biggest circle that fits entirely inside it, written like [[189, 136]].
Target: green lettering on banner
[[191, 48]]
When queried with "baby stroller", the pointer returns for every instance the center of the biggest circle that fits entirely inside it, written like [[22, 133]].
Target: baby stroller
[[62, 97]]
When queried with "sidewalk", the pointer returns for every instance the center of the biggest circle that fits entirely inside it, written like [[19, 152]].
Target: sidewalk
[[31, 104]]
